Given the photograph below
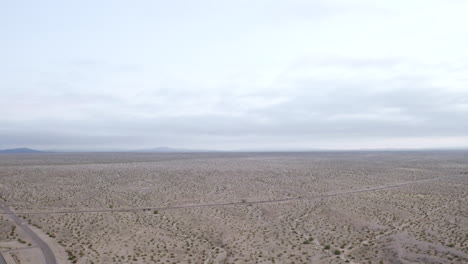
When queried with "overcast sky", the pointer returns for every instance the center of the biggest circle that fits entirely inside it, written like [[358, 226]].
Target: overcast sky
[[243, 74]]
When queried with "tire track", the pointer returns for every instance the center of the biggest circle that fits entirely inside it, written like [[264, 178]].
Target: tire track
[[188, 206]]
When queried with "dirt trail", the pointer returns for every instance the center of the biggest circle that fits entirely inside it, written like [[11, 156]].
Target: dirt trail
[[244, 202]]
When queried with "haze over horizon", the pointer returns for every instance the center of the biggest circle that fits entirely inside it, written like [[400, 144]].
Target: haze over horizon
[[228, 75]]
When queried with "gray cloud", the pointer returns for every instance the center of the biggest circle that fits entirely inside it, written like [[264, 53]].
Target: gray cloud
[[303, 109], [291, 75]]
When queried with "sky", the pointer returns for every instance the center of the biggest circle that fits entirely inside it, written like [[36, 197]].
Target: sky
[[234, 75]]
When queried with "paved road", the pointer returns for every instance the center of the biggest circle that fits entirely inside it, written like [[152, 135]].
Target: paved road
[[106, 210], [2, 260], [49, 256]]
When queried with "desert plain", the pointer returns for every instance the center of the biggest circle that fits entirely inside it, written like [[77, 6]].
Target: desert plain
[[311, 207]]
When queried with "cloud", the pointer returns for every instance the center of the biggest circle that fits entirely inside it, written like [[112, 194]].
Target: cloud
[[249, 74], [305, 106]]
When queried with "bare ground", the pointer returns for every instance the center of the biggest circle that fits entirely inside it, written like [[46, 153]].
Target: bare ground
[[337, 207]]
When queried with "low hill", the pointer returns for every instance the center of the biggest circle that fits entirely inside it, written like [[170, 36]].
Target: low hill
[[169, 150], [20, 150]]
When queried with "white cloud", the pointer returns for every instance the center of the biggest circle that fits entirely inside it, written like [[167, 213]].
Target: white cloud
[[241, 74]]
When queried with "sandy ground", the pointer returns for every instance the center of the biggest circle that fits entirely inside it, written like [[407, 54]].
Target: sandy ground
[[30, 255], [321, 207]]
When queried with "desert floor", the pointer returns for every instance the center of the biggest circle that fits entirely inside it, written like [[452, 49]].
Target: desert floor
[[318, 207]]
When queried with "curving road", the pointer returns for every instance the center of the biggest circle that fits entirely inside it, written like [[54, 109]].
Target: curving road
[[49, 256]]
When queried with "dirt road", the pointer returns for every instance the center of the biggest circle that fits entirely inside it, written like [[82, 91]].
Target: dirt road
[[246, 202]]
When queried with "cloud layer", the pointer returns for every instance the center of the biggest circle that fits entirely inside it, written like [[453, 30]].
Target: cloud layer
[[250, 75]]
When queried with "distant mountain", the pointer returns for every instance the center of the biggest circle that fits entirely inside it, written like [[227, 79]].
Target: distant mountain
[[20, 150], [169, 150]]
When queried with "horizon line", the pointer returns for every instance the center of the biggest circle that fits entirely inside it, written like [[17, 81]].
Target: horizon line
[[169, 150]]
